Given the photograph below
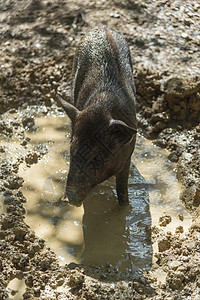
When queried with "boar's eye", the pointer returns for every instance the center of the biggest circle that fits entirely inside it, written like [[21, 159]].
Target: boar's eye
[[120, 132]]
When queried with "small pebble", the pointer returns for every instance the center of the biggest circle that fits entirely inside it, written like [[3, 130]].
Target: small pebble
[[181, 217]]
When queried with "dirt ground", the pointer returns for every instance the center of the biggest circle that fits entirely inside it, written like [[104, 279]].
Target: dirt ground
[[38, 41]]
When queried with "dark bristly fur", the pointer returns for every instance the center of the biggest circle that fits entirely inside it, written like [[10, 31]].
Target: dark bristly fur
[[103, 115]]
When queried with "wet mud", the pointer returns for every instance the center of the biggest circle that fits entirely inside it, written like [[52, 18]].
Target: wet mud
[[49, 250]]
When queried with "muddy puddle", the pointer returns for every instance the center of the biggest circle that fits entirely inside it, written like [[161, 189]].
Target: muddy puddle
[[99, 232]]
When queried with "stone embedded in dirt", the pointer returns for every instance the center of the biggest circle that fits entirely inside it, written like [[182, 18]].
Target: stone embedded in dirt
[[31, 158], [23, 143], [28, 122], [164, 244], [175, 280], [2, 149], [159, 126], [180, 88], [29, 280], [76, 279], [191, 195], [197, 197], [173, 156], [198, 128], [20, 231], [179, 229], [175, 264], [195, 226], [34, 247], [8, 197], [60, 280], [181, 217], [164, 220], [13, 182]]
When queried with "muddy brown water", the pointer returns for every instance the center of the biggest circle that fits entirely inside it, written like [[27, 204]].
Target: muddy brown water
[[99, 232]]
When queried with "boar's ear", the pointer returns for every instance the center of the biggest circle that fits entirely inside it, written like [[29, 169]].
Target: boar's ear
[[121, 132], [70, 109]]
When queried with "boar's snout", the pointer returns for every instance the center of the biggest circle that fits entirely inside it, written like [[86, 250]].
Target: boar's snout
[[74, 196]]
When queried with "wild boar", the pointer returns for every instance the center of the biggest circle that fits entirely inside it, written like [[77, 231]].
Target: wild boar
[[103, 115]]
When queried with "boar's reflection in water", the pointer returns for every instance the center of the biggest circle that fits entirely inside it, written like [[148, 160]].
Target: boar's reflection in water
[[103, 116], [123, 239]]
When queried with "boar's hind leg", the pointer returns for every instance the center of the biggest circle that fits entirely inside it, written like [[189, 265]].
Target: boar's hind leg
[[122, 185]]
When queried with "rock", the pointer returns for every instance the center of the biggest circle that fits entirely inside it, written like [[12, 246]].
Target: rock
[[60, 280], [191, 196], [13, 182], [175, 280], [76, 279], [181, 217], [179, 88], [34, 247], [2, 149], [31, 158], [159, 126], [179, 229], [28, 122], [173, 156], [175, 264], [164, 220], [195, 226], [164, 244]]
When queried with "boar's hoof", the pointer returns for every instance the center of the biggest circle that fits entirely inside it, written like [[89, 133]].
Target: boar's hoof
[[123, 199], [123, 203], [122, 194]]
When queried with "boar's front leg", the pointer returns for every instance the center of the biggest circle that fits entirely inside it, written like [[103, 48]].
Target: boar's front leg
[[122, 184]]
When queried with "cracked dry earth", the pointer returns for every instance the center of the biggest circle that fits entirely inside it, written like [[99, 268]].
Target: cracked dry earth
[[38, 41]]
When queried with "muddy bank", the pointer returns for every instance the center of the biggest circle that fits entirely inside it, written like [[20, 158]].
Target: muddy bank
[[168, 113], [38, 41]]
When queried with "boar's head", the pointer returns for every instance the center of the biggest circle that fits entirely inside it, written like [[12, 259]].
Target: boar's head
[[99, 147]]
